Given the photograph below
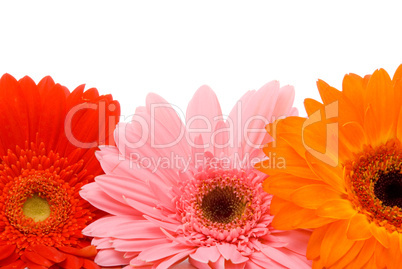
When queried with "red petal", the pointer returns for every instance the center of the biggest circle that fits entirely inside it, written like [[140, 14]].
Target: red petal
[[15, 265], [51, 124], [75, 96], [91, 93], [45, 85], [72, 262], [33, 105], [10, 259], [49, 253], [88, 264], [32, 265], [6, 251], [86, 252], [36, 258], [13, 110]]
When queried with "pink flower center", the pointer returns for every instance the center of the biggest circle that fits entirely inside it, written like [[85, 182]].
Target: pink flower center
[[221, 205]]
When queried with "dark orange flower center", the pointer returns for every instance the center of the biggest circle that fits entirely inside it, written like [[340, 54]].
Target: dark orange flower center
[[223, 205], [374, 181], [388, 188]]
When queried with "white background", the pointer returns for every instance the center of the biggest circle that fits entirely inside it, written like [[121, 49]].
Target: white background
[[130, 48]]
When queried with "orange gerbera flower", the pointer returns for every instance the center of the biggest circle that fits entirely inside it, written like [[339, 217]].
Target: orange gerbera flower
[[343, 173], [47, 141]]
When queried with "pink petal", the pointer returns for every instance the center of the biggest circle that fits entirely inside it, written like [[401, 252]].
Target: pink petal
[[147, 210], [163, 251], [230, 265], [201, 116], [149, 140], [107, 152], [108, 257], [94, 195], [235, 122], [220, 263], [285, 257], [123, 227], [179, 257], [120, 188], [199, 265], [259, 259], [293, 112], [206, 254], [102, 243], [197, 153], [162, 192], [230, 252], [284, 102], [185, 265], [173, 225], [162, 111], [257, 113], [136, 245], [221, 139], [295, 240]]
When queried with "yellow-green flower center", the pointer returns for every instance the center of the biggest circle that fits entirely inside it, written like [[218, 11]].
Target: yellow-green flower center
[[36, 208]]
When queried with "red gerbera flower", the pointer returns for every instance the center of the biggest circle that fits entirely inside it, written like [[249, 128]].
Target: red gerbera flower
[[47, 141]]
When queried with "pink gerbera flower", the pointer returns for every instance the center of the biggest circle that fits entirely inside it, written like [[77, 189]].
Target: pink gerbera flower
[[177, 192]]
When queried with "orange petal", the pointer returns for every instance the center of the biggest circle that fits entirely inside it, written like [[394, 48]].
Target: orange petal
[[379, 95], [284, 159], [400, 242], [328, 94], [277, 204], [359, 228], [350, 255], [365, 255], [351, 138], [398, 74], [333, 176], [292, 216], [399, 126], [283, 185], [371, 127], [352, 88], [336, 209], [380, 257], [312, 106], [380, 233], [397, 82], [313, 196], [393, 253], [314, 244], [335, 244], [290, 130]]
